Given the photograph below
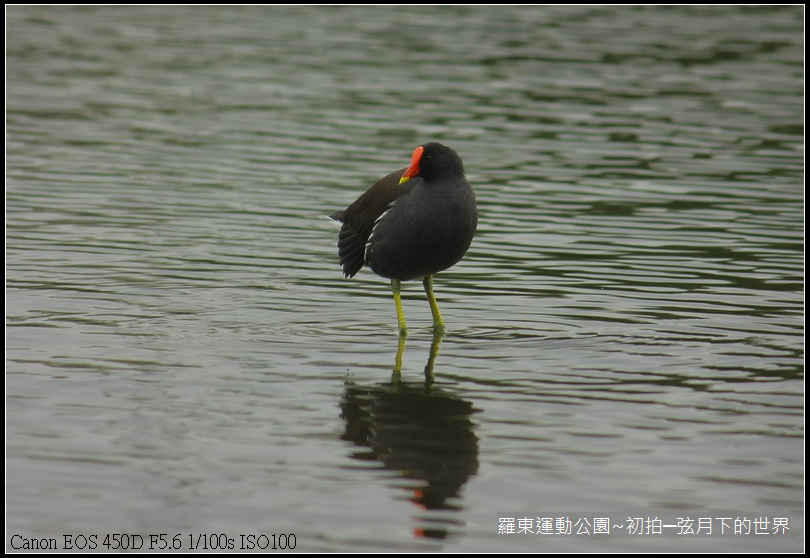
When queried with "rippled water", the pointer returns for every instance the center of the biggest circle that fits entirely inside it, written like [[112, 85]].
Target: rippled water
[[625, 336]]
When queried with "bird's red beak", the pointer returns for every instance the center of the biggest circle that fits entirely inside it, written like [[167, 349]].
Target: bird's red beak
[[413, 170]]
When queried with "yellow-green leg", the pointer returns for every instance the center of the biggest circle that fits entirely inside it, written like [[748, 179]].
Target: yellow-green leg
[[403, 329], [438, 323]]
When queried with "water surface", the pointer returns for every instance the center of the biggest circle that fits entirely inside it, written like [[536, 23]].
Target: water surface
[[625, 336]]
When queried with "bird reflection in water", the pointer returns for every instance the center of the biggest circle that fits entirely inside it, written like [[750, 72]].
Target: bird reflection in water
[[423, 433]]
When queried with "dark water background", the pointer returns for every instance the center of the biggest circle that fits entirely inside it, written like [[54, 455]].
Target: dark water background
[[625, 336]]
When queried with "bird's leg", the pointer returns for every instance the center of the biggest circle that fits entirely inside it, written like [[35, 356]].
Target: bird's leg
[[438, 323], [403, 329]]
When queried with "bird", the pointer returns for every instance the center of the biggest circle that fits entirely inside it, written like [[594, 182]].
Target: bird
[[411, 224]]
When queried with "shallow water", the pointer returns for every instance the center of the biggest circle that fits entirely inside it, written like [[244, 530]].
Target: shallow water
[[625, 336]]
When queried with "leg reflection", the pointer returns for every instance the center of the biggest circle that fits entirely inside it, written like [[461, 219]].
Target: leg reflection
[[398, 360], [438, 335]]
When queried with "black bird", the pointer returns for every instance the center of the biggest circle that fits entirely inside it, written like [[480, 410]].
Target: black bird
[[413, 223]]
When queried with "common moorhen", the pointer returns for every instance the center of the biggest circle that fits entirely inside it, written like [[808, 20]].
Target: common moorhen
[[413, 223]]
